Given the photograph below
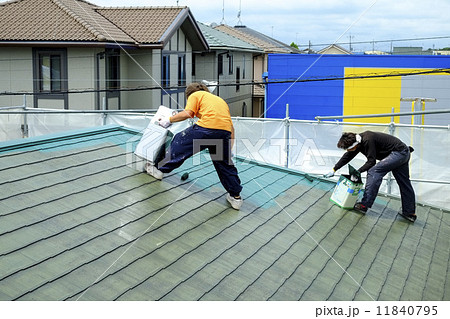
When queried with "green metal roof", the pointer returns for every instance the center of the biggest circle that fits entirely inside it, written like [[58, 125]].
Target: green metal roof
[[220, 40], [79, 221]]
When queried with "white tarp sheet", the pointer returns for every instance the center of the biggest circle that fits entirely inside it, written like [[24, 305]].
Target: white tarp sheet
[[306, 146]]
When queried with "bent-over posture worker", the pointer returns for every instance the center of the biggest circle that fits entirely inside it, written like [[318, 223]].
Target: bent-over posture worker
[[393, 155], [213, 131]]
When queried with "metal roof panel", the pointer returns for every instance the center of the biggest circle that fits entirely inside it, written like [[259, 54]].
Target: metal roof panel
[[78, 220]]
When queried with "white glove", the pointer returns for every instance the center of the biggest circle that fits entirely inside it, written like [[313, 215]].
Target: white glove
[[329, 174], [164, 122], [354, 178]]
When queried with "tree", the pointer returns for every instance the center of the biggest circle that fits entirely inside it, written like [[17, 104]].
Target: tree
[[294, 45]]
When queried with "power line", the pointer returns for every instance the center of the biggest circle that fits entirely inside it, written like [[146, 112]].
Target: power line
[[379, 41], [250, 83]]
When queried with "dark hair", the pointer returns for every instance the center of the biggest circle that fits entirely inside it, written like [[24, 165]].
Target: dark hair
[[194, 87], [346, 140]]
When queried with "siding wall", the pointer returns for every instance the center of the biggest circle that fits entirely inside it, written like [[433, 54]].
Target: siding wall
[[355, 96]]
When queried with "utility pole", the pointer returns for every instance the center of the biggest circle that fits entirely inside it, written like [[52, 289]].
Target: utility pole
[[350, 37], [239, 15], [223, 12]]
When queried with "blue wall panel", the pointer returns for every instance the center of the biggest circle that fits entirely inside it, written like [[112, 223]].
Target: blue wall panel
[[310, 99]]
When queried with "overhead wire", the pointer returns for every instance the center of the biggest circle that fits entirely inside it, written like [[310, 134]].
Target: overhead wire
[[241, 83]]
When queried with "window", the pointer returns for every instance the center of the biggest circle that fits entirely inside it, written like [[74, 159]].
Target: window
[[193, 64], [230, 64], [243, 66], [220, 64], [165, 73], [182, 70], [238, 78], [112, 69], [50, 77]]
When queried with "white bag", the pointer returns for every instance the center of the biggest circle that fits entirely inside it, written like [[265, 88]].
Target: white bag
[[152, 141], [151, 147], [163, 112]]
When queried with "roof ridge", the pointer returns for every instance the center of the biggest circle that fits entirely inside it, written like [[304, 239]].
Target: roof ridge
[[140, 7], [264, 44], [80, 19]]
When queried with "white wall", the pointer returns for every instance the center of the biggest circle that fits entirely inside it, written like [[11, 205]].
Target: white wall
[[81, 76], [16, 75]]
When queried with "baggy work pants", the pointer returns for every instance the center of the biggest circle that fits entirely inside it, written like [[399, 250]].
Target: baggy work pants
[[398, 163], [195, 139]]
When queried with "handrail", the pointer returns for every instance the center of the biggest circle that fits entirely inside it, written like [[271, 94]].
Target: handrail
[[319, 118], [47, 111]]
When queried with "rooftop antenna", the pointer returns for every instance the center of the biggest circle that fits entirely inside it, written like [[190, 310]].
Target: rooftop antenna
[[239, 14], [223, 12], [350, 46]]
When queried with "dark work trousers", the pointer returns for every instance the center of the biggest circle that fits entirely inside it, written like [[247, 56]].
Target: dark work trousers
[[398, 163], [195, 139]]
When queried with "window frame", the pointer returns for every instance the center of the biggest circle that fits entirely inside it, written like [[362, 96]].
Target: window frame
[[112, 68], [220, 64], [230, 64], [165, 71], [58, 84], [238, 78], [182, 70]]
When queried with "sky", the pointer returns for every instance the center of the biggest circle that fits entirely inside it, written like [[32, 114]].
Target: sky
[[361, 25]]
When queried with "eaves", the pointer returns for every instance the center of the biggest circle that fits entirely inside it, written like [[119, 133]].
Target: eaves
[[67, 44], [228, 48]]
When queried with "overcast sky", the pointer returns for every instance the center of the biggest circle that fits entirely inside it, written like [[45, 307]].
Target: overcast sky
[[322, 22]]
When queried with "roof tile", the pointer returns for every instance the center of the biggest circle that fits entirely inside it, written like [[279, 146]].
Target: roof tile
[[144, 24]]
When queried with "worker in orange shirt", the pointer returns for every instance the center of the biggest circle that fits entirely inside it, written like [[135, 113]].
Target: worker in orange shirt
[[213, 131]]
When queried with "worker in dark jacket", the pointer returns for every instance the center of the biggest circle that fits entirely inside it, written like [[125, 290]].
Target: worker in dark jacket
[[393, 155]]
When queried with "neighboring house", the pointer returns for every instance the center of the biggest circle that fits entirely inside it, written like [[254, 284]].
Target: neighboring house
[[260, 62], [376, 52], [334, 49], [441, 52], [411, 51], [230, 63], [52, 47]]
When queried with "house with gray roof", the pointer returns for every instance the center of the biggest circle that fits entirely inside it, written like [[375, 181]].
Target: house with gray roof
[[229, 62], [334, 49], [260, 62], [80, 220], [105, 57]]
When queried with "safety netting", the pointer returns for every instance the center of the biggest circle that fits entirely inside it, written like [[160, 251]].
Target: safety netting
[[304, 146]]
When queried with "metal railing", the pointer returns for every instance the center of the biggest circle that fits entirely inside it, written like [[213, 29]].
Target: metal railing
[[392, 127], [287, 122], [24, 110]]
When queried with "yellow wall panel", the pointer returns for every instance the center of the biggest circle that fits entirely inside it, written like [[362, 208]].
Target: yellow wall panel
[[372, 95]]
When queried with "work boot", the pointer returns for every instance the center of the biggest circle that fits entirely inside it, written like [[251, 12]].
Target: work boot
[[236, 203], [360, 208], [411, 217], [153, 171]]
